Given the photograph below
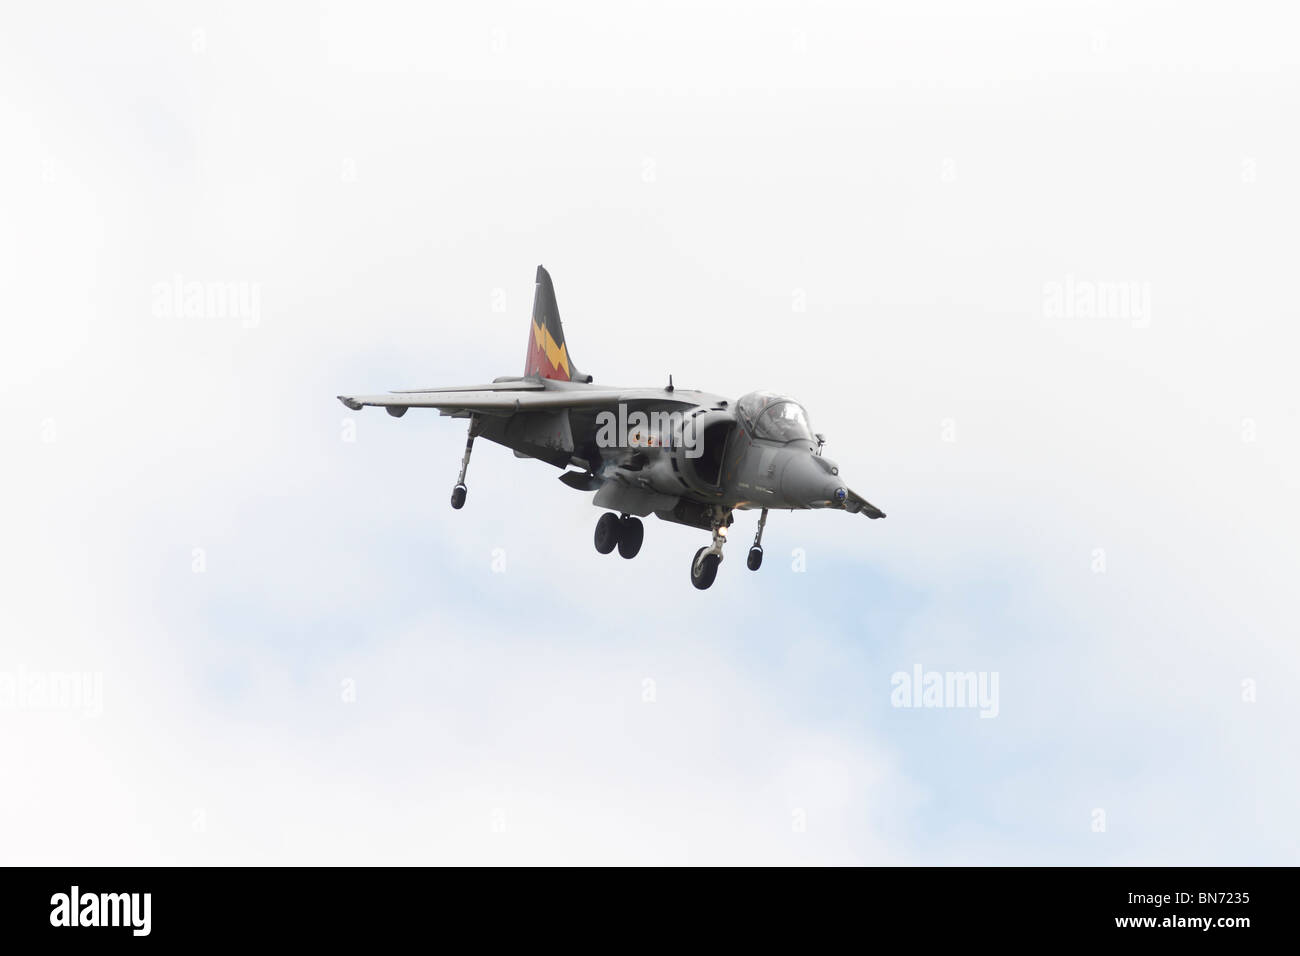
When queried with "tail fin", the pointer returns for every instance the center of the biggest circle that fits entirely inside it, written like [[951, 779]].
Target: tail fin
[[548, 356]]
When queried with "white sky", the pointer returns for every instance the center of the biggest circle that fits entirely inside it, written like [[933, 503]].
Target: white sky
[[865, 206]]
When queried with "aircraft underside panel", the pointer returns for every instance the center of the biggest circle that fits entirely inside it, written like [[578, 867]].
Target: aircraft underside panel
[[693, 514], [616, 496], [543, 435]]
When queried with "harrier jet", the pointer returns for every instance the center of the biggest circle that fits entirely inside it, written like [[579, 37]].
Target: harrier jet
[[681, 455]]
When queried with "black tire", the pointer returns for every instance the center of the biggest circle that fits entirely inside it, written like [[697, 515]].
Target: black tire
[[607, 532], [458, 497], [631, 533], [755, 559], [708, 569]]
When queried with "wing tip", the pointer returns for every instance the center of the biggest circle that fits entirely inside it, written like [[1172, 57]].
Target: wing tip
[[346, 400]]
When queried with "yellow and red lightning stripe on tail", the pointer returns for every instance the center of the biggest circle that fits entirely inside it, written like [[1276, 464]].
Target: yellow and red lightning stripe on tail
[[548, 356]]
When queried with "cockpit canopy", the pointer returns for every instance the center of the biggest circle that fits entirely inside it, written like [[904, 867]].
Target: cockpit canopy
[[774, 417]]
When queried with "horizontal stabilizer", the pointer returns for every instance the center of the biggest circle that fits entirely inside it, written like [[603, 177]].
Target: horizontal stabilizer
[[855, 503], [581, 480]]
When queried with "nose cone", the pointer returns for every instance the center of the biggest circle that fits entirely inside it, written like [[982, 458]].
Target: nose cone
[[810, 481]]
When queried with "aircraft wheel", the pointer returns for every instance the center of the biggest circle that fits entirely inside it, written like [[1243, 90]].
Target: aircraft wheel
[[458, 497], [631, 533], [704, 569], [755, 559], [607, 532]]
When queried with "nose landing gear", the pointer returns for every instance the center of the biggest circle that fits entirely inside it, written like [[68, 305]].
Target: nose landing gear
[[704, 566]]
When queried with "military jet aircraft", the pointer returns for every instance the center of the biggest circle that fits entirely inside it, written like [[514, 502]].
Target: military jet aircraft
[[682, 455]]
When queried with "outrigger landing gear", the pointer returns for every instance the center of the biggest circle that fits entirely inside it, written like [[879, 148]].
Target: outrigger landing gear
[[755, 559], [704, 566], [458, 493]]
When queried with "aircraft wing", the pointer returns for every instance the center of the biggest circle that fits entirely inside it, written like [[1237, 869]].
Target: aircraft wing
[[855, 503], [507, 398]]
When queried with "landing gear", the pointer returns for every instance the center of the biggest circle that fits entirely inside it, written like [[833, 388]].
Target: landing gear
[[625, 533], [755, 559], [607, 532], [704, 566], [631, 533], [458, 493]]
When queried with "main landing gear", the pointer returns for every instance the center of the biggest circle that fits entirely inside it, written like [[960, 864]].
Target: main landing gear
[[458, 493], [625, 533], [704, 566]]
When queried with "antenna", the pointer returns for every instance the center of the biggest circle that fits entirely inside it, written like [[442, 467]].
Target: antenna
[[670, 383]]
